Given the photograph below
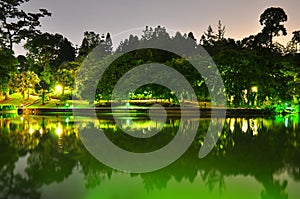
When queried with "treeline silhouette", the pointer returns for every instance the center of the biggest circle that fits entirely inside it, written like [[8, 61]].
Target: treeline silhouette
[[256, 61]]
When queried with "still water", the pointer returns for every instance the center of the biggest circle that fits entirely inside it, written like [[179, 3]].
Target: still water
[[43, 157]]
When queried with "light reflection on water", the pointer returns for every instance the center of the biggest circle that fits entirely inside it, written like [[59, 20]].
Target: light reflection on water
[[43, 157]]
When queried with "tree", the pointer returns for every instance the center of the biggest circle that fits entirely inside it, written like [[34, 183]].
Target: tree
[[129, 44], [24, 64], [16, 24], [296, 36], [209, 37], [221, 31], [296, 39], [66, 78], [44, 84], [147, 33], [107, 44], [48, 49], [191, 36], [7, 69], [272, 19], [24, 82], [89, 42]]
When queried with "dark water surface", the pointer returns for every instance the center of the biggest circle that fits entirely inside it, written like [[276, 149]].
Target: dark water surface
[[43, 157]]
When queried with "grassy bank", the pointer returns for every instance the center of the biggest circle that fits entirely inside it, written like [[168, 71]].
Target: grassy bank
[[35, 102]]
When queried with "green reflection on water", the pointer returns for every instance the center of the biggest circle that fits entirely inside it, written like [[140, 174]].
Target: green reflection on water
[[43, 157]]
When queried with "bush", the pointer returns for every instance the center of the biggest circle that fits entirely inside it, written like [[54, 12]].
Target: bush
[[8, 108], [8, 115], [65, 97]]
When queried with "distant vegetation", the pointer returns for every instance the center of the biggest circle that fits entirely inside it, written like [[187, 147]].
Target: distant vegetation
[[257, 71]]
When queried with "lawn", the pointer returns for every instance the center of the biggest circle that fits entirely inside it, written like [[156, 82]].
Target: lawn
[[35, 102]]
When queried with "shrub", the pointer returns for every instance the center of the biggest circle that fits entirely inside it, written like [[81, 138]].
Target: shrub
[[8, 108]]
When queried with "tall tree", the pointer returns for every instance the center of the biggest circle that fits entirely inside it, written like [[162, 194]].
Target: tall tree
[[296, 40], [48, 49], [48, 52], [23, 64], [221, 31], [129, 44], [191, 36], [272, 19], [296, 36], [7, 69], [65, 78], [209, 37], [90, 41], [24, 82], [16, 24], [147, 33], [108, 44]]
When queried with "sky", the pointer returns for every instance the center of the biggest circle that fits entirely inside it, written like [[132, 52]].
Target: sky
[[72, 18]]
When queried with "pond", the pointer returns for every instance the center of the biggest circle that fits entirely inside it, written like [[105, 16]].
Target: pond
[[44, 157]]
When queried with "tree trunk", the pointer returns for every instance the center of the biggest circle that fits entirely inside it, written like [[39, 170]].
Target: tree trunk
[[7, 95], [28, 94], [271, 40], [43, 97]]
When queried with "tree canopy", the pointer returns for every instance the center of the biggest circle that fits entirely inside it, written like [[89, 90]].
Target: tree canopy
[[272, 20], [253, 62], [16, 24]]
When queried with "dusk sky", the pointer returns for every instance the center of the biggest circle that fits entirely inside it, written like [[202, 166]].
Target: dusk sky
[[241, 17]]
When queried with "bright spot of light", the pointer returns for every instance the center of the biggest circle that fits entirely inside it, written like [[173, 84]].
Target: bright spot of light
[[59, 129], [254, 89], [41, 131], [254, 126], [31, 130], [245, 125], [58, 88], [286, 124], [232, 122]]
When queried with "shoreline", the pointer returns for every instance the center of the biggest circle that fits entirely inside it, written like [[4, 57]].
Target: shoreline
[[143, 111]]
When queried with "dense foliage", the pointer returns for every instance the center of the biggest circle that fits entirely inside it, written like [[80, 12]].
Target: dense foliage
[[256, 71]]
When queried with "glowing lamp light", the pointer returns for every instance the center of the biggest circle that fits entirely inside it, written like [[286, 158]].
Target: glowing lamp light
[[254, 89], [58, 88]]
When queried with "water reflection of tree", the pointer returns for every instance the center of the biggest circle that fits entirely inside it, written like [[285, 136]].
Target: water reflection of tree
[[12, 185], [261, 155], [273, 149]]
